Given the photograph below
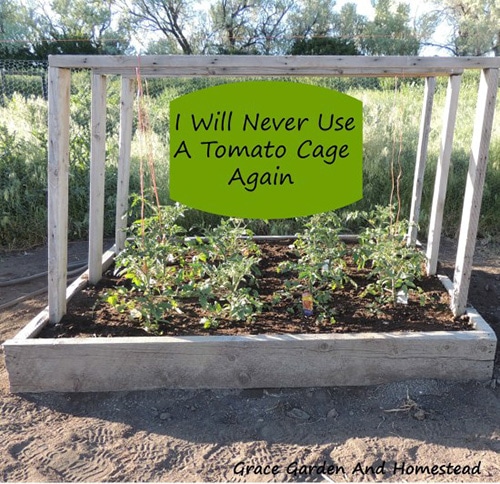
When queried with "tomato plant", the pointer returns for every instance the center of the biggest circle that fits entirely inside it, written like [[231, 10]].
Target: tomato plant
[[163, 268], [220, 270], [394, 266], [321, 265]]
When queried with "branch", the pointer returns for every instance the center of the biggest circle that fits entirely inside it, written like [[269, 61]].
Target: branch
[[441, 46]]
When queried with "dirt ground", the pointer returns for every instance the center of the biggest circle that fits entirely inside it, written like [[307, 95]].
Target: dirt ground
[[312, 434]]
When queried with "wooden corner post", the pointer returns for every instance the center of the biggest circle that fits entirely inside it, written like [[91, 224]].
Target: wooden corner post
[[58, 169], [483, 125]]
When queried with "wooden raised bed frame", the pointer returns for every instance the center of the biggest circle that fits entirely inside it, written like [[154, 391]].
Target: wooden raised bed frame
[[261, 361], [109, 364]]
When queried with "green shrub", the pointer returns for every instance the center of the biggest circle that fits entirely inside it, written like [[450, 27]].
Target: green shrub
[[23, 192], [394, 266]]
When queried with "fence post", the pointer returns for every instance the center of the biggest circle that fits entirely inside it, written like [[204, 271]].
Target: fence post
[[122, 186], [3, 98], [443, 166], [423, 141], [97, 168], [58, 168], [478, 162], [44, 85]]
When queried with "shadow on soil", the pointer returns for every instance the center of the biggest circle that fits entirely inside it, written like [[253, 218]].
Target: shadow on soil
[[426, 410]]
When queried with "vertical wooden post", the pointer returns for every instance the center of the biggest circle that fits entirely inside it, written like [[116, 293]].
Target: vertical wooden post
[[126, 117], [423, 141], [478, 162], [97, 167], [58, 168], [443, 166]]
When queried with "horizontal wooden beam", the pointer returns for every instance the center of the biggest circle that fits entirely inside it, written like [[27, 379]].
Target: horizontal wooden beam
[[233, 65]]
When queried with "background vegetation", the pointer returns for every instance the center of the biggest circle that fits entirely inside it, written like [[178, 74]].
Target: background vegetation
[[392, 109]]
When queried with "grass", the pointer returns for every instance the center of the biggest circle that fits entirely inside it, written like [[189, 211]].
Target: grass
[[392, 110]]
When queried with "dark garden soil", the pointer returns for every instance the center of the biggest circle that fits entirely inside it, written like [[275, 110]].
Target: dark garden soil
[[89, 316]]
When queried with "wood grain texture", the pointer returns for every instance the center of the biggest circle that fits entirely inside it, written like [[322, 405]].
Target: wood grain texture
[[481, 137], [423, 141], [122, 183], [58, 169], [244, 361], [275, 65], [97, 176], [443, 167]]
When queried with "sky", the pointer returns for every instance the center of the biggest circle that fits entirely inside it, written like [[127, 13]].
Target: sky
[[364, 7], [418, 7]]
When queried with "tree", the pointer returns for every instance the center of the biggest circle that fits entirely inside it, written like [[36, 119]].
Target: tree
[[232, 26], [14, 31], [390, 32], [474, 26], [312, 18], [272, 26], [176, 20], [244, 27], [77, 27], [319, 30], [324, 46], [348, 24], [229, 26]]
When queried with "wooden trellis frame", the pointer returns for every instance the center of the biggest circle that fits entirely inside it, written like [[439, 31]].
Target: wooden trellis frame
[[175, 66]]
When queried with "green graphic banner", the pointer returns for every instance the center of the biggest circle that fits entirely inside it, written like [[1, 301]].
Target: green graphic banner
[[266, 149]]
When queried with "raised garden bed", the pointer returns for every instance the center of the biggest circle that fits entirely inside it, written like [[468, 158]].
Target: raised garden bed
[[299, 353]]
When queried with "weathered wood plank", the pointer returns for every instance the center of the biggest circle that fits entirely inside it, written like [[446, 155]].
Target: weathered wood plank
[[97, 168], [276, 65], [126, 119], [441, 181], [33, 328], [483, 124], [101, 364], [423, 141], [58, 169], [477, 320]]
